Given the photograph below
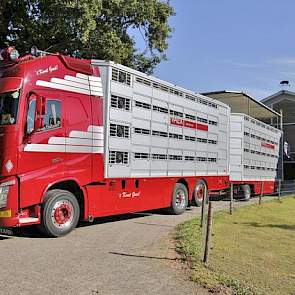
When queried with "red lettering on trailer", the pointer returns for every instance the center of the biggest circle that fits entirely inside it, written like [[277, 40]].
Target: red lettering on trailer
[[188, 124], [177, 122], [129, 195]]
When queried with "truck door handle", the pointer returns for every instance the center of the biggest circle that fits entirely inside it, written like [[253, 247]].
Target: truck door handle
[[56, 160]]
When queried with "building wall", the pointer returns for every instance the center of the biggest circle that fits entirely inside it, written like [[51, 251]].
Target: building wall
[[286, 102]]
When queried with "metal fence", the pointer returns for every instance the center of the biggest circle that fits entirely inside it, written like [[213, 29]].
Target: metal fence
[[285, 187]]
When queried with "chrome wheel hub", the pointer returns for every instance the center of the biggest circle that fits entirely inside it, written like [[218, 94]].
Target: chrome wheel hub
[[62, 214]]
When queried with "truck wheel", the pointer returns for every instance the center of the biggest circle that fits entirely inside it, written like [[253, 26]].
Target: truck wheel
[[179, 199], [199, 192], [246, 189], [60, 213]]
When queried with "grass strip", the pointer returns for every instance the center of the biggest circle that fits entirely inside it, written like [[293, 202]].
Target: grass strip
[[253, 250]]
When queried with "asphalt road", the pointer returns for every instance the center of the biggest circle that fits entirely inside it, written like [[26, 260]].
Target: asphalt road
[[126, 254]]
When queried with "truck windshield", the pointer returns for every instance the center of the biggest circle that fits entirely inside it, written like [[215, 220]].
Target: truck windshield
[[8, 107]]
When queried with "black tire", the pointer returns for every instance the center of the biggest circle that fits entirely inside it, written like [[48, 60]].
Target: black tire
[[60, 213], [246, 190], [179, 201], [199, 192]]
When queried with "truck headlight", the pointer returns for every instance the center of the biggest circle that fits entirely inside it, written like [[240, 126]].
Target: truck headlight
[[3, 196]]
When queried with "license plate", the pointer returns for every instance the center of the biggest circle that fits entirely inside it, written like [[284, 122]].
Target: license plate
[[6, 213]]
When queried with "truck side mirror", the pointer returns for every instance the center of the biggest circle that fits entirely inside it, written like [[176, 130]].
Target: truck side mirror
[[38, 121], [35, 114]]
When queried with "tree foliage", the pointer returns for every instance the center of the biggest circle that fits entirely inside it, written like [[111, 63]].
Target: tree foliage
[[90, 28]]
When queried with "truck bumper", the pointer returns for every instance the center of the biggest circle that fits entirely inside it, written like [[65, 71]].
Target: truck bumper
[[11, 215], [6, 220]]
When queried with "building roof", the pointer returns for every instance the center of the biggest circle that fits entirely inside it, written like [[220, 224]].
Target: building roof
[[267, 99], [241, 102], [283, 101]]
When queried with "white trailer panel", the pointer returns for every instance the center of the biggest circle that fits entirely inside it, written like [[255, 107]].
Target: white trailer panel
[[254, 149], [154, 128]]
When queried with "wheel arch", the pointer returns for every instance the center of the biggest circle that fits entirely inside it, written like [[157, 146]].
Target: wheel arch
[[74, 187], [203, 179], [199, 180], [185, 183], [252, 188]]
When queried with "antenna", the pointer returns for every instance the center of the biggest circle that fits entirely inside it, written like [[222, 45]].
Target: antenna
[[284, 83], [37, 52]]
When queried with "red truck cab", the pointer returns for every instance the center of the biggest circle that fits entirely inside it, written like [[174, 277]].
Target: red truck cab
[[33, 132]]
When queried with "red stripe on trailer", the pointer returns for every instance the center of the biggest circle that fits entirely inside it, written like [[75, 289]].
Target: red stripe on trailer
[[267, 145], [202, 127], [188, 124]]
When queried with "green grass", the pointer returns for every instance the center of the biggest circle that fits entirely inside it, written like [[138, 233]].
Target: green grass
[[253, 250]]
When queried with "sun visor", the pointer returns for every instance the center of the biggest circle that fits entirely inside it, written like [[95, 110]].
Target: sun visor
[[9, 84]]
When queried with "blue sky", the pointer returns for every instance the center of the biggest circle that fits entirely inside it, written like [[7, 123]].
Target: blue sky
[[231, 44]]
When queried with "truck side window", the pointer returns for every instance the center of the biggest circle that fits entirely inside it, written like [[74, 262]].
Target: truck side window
[[31, 116], [52, 118]]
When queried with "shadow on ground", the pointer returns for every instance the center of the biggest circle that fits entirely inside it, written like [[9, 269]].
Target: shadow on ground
[[280, 226], [33, 232], [144, 256]]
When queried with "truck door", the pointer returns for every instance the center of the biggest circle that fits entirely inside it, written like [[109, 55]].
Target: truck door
[[42, 152], [79, 145]]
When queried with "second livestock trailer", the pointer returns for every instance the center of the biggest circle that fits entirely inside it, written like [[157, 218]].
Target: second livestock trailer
[[254, 155]]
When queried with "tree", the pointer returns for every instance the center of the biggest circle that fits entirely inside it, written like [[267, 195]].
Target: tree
[[90, 28]]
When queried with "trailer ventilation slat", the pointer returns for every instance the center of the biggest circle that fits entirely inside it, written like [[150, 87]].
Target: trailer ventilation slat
[[143, 81], [202, 120], [190, 97], [214, 123], [159, 133], [212, 104], [202, 101], [160, 87], [202, 140], [189, 158], [212, 160], [117, 130], [159, 157], [175, 157], [118, 157], [175, 91], [121, 76], [212, 141], [160, 109], [119, 102], [175, 136], [176, 113], [141, 155], [190, 117], [201, 159], [190, 138], [142, 131], [143, 105]]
